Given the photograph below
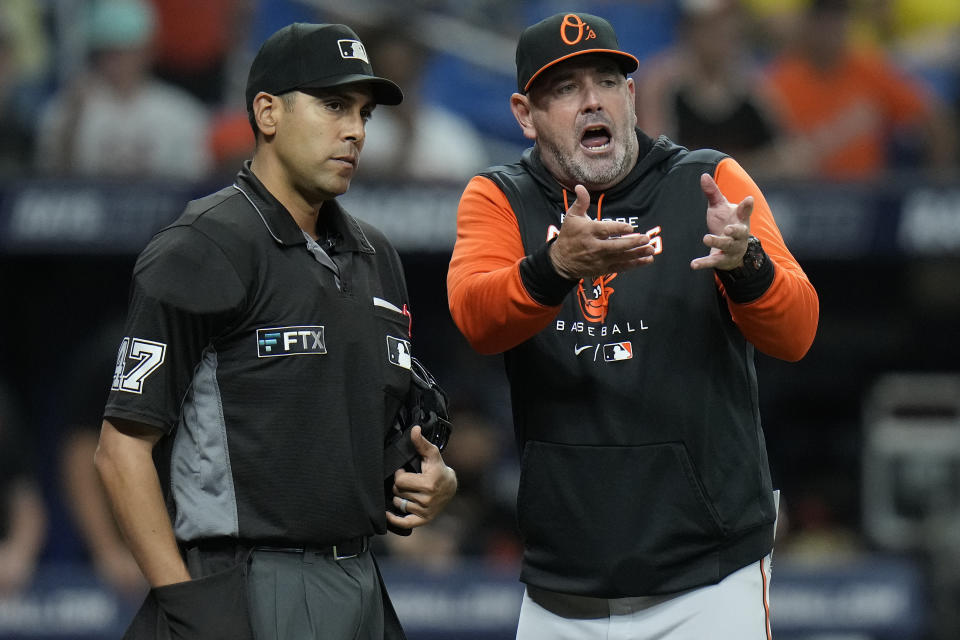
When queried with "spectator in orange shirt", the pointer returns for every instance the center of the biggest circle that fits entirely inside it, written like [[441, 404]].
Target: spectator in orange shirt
[[195, 41], [851, 112]]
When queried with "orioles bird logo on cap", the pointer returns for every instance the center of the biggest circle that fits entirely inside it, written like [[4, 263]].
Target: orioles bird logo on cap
[[583, 31]]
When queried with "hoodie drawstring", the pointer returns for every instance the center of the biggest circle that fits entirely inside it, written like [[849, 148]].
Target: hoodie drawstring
[[566, 203]]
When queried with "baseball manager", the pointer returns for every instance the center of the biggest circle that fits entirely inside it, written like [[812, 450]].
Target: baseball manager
[[645, 502]]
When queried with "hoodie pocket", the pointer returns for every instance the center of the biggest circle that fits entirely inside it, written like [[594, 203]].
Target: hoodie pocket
[[610, 515]]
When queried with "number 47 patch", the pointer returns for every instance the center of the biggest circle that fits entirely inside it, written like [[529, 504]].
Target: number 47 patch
[[146, 354]]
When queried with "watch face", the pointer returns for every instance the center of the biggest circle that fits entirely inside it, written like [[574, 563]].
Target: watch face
[[754, 255], [753, 260]]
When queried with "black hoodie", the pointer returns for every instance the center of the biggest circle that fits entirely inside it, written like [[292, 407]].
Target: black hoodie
[[644, 468]]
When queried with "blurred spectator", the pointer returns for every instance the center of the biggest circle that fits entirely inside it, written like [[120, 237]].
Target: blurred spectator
[[851, 112], [919, 33], [704, 92], [31, 48], [16, 137], [195, 41], [88, 383], [23, 518], [116, 119], [811, 530], [231, 142], [417, 139], [924, 37], [773, 24], [23, 71], [486, 494]]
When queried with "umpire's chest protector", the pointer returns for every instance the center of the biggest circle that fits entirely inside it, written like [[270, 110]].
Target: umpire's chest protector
[[636, 408]]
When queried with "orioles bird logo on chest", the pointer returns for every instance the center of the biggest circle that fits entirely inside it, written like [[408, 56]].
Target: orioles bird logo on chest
[[595, 303]]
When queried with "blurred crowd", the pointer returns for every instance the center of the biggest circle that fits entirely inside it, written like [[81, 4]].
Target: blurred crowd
[[152, 89], [836, 89]]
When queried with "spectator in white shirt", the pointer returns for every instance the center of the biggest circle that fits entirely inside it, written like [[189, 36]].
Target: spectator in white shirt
[[116, 119]]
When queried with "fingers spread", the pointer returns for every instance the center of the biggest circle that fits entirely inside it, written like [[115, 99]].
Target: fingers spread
[[711, 190], [706, 262], [630, 264], [623, 242], [737, 231], [612, 228], [745, 209]]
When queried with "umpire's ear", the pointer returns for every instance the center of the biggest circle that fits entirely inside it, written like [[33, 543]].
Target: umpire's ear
[[267, 110], [520, 105]]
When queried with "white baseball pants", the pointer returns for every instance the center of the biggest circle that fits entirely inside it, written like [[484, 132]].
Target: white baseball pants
[[736, 608]]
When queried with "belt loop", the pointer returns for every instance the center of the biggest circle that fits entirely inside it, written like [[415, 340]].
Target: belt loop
[[192, 558]]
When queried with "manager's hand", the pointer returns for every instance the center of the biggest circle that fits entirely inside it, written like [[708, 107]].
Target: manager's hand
[[588, 248], [729, 227], [422, 496]]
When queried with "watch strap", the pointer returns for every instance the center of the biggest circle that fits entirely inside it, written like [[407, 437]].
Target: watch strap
[[751, 280]]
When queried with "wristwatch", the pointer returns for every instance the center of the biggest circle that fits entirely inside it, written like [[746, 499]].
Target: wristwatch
[[753, 261]]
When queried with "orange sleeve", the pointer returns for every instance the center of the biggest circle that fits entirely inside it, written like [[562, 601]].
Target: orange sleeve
[[783, 321], [487, 299]]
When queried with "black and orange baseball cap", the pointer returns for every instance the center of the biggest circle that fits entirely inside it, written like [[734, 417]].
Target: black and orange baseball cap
[[315, 56], [563, 36]]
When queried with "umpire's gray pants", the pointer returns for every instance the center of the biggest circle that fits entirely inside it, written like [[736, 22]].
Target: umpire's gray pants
[[311, 596]]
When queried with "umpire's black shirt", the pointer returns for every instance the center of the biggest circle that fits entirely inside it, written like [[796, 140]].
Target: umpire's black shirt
[[271, 365]]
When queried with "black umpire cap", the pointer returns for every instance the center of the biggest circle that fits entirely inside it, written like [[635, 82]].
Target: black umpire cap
[[563, 36], [315, 56]]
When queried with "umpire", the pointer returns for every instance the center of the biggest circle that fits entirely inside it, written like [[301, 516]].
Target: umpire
[[266, 352]]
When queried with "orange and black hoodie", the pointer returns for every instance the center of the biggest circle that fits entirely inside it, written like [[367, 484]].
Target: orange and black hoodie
[[644, 468]]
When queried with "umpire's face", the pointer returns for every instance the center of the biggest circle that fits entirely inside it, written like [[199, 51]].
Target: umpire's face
[[581, 113], [317, 138]]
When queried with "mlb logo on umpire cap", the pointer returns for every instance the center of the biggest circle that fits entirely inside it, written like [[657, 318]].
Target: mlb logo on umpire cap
[[315, 56], [352, 50]]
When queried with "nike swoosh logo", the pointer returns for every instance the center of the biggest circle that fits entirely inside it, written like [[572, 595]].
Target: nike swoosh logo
[[578, 350]]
